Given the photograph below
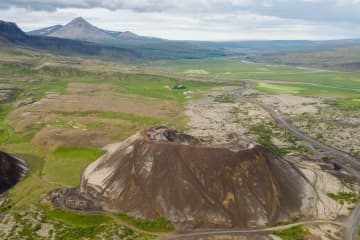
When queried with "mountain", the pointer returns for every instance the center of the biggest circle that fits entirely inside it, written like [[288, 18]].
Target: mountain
[[160, 172], [45, 31], [11, 34], [80, 29]]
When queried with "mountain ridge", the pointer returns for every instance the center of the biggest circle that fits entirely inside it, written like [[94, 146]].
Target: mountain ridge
[[11, 34]]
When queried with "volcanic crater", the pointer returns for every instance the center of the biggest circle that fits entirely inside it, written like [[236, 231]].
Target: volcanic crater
[[160, 172], [12, 170]]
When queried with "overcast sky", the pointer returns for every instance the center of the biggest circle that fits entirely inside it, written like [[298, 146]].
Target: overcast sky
[[197, 20]]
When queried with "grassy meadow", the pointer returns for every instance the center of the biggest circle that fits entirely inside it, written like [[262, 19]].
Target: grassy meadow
[[274, 79]]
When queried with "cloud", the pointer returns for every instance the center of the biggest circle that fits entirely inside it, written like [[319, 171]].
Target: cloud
[[239, 25], [319, 10], [198, 20], [136, 5]]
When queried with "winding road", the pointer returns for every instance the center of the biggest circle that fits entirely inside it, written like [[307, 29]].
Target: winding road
[[205, 233], [342, 157], [349, 163]]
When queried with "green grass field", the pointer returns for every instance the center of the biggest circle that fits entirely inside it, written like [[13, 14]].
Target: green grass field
[[75, 219], [295, 233], [69, 162], [306, 90], [232, 70], [156, 225]]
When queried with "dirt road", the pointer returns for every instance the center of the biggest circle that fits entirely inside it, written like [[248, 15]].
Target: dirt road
[[204, 233]]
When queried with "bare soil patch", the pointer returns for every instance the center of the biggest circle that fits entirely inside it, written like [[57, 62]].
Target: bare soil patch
[[72, 119]]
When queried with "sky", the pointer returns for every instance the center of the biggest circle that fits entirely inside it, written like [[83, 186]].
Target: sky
[[215, 20]]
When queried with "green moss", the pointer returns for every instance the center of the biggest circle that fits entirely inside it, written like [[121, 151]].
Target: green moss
[[344, 197], [264, 134], [5, 206], [77, 152], [75, 219], [294, 233], [156, 225], [68, 226]]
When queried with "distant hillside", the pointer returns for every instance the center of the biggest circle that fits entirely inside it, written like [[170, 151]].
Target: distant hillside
[[148, 47], [341, 55], [11, 34], [333, 54], [128, 35]]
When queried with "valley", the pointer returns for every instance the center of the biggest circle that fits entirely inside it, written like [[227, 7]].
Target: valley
[[112, 135], [57, 127]]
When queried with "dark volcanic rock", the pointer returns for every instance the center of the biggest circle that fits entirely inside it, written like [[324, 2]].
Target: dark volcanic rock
[[12, 170], [70, 199], [171, 135], [156, 173]]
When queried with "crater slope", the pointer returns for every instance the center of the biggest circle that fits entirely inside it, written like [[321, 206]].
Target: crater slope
[[163, 173], [11, 171]]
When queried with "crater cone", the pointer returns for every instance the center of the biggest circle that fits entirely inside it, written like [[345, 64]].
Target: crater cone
[[163, 173]]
